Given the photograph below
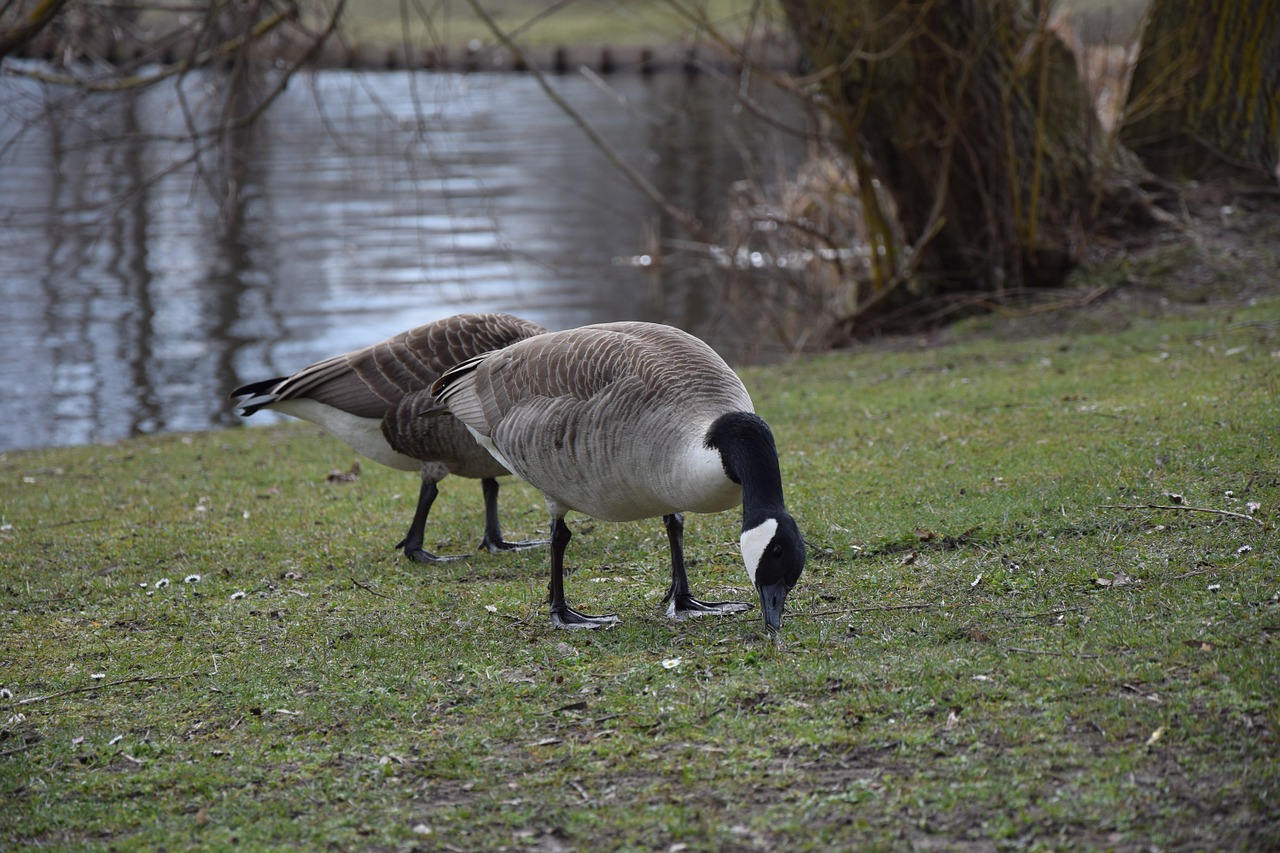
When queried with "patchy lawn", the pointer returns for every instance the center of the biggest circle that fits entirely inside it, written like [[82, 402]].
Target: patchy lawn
[[1041, 611]]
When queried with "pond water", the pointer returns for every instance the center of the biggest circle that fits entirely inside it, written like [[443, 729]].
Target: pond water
[[136, 291]]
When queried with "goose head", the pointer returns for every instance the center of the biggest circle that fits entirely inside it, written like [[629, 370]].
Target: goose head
[[773, 549], [773, 552]]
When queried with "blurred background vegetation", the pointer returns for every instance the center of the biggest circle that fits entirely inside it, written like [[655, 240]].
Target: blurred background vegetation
[[965, 154]]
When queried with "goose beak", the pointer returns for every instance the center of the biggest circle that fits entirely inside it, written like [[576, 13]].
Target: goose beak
[[772, 598]]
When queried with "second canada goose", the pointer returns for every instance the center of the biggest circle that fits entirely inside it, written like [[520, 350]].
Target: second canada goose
[[623, 421], [370, 399]]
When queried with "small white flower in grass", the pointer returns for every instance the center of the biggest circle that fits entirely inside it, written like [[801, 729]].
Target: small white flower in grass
[[191, 579], [491, 608], [1244, 549], [672, 663], [98, 676], [237, 595], [1253, 506], [1214, 586], [162, 583], [6, 693]]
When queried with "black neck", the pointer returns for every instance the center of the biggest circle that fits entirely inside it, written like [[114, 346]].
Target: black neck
[[750, 459]]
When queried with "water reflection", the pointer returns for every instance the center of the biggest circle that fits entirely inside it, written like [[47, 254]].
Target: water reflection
[[135, 295]]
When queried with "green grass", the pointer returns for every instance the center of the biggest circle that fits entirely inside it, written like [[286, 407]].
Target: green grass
[[583, 22], [951, 672]]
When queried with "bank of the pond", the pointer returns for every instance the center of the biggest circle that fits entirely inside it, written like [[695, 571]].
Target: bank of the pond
[[1040, 611]]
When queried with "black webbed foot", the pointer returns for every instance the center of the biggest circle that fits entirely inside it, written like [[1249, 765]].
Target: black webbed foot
[[566, 617], [500, 545], [687, 607], [419, 554]]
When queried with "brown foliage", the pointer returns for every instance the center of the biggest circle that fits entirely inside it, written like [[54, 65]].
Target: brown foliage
[[971, 119]]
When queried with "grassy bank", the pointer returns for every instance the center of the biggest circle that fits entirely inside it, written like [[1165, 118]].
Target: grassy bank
[[643, 22], [998, 641]]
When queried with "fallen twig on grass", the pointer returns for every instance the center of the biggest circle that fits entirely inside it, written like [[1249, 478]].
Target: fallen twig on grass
[[370, 590], [140, 679], [1186, 508], [791, 614], [1051, 654], [1057, 611]]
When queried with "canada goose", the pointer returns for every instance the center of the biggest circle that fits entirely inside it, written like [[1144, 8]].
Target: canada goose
[[370, 399], [623, 421]]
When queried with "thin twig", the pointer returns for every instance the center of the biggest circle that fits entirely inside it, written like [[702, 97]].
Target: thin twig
[[1058, 611], [1052, 654], [639, 181], [370, 590], [140, 679], [74, 521], [865, 609], [577, 786], [1186, 508]]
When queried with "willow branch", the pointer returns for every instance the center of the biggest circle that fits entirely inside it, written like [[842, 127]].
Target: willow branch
[[14, 37], [138, 81], [690, 224]]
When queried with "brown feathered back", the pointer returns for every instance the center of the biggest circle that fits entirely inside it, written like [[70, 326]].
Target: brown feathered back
[[389, 383]]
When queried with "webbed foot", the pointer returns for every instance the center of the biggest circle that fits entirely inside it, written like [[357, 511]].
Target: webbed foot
[[500, 545], [688, 607], [566, 617], [414, 551], [418, 555]]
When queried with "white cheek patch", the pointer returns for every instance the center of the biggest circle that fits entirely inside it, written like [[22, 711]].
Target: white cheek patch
[[753, 543]]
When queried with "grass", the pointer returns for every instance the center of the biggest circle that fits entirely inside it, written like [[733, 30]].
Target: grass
[[984, 652], [584, 22]]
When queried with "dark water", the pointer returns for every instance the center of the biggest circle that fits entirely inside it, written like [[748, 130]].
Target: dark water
[[136, 291]]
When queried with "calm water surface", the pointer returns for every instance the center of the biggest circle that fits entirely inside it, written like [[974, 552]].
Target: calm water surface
[[134, 296]]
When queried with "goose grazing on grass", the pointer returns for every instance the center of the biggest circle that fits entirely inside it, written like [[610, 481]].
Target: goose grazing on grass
[[623, 421], [371, 398]]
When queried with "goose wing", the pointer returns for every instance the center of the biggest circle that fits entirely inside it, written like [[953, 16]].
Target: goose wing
[[370, 382], [605, 419]]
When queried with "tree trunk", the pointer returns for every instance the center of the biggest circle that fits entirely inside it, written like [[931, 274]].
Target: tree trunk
[[1205, 97], [973, 121]]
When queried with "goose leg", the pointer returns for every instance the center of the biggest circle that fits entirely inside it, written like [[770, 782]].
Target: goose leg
[[680, 603], [412, 542], [562, 615], [493, 541]]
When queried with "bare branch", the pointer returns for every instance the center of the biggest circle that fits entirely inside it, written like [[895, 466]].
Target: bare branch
[[1185, 508], [93, 688], [118, 84], [688, 222], [40, 16]]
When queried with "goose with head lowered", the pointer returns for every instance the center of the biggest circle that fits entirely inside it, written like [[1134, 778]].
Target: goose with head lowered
[[370, 399], [624, 421]]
